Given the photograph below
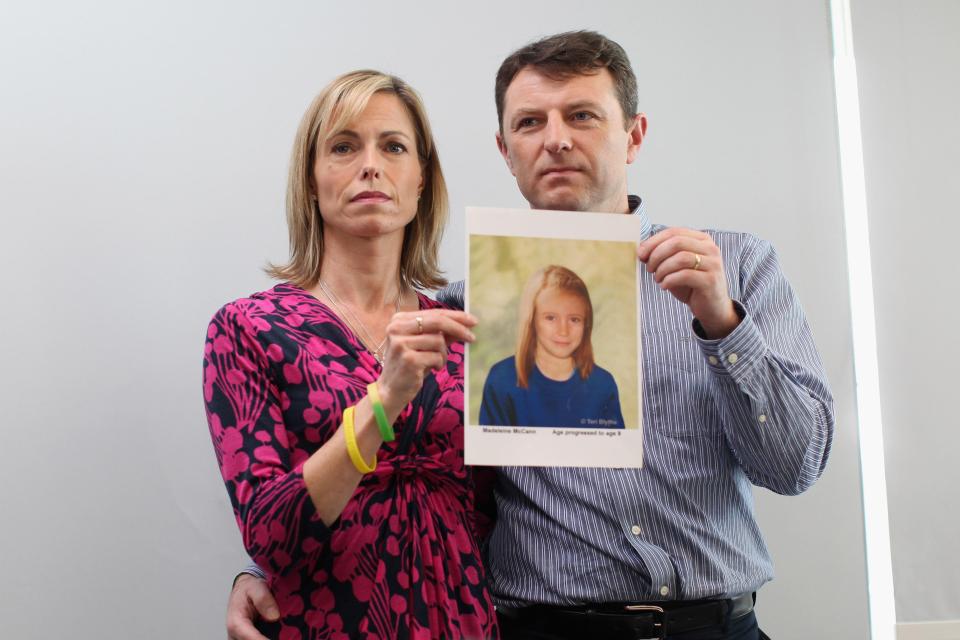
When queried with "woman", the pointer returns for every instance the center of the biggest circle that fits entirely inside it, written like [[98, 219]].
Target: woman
[[335, 399], [552, 380]]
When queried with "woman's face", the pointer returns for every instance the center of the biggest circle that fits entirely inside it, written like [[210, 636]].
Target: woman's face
[[368, 177], [559, 318]]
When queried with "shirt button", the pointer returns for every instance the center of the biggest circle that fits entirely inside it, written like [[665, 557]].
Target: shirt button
[[732, 358], [635, 529], [762, 417], [713, 360], [664, 590]]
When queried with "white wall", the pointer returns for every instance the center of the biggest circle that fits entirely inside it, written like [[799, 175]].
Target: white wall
[[142, 170], [908, 56]]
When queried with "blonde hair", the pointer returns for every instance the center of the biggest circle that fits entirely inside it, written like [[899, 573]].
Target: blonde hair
[[551, 277], [331, 110]]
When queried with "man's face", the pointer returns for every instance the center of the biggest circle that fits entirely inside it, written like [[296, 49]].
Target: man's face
[[566, 143]]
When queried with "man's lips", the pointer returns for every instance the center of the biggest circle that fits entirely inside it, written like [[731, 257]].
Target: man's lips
[[370, 196], [559, 171]]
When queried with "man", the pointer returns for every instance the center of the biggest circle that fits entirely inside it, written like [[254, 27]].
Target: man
[[734, 394]]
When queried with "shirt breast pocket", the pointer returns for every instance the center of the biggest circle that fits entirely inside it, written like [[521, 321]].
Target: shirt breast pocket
[[677, 387]]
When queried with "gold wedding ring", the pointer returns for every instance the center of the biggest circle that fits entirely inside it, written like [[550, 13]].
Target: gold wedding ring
[[696, 265], [419, 324]]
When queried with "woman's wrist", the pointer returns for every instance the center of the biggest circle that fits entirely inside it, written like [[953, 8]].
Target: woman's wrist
[[393, 403]]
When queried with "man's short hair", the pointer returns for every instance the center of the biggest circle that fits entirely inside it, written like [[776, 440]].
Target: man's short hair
[[563, 55]]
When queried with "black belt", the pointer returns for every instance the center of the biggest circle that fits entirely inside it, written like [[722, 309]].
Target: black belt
[[629, 620]]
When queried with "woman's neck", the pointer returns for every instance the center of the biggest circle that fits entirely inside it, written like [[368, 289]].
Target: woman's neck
[[363, 273], [552, 367]]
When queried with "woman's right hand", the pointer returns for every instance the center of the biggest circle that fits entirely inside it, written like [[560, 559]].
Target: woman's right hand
[[417, 344]]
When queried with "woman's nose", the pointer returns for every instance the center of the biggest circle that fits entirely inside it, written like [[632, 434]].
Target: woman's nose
[[369, 172], [371, 165]]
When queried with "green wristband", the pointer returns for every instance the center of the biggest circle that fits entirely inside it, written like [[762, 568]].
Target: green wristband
[[386, 431]]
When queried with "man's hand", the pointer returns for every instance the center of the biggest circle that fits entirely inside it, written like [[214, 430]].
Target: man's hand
[[688, 264], [250, 599]]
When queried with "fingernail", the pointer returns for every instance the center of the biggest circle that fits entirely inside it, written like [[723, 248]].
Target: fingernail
[[471, 336], [272, 613]]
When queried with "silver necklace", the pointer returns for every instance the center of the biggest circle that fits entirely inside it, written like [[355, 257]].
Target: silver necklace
[[360, 329]]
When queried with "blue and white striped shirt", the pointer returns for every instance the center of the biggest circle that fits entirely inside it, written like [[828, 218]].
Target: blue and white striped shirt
[[718, 415]]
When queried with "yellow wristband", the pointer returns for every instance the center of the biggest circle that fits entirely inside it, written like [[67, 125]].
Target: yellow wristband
[[352, 449]]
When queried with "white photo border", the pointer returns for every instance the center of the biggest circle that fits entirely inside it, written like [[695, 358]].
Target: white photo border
[[547, 446]]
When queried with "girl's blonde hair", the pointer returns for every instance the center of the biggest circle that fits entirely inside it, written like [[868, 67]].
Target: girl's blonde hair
[[555, 277], [334, 107]]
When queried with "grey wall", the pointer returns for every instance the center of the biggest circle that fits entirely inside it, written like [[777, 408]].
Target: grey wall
[[142, 172], [908, 54]]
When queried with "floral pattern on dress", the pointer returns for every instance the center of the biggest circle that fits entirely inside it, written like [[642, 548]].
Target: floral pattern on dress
[[402, 559]]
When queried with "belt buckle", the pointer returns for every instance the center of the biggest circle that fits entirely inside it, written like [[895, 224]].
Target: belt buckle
[[659, 619]]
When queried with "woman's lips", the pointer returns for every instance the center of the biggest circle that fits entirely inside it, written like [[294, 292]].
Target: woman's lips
[[370, 196]]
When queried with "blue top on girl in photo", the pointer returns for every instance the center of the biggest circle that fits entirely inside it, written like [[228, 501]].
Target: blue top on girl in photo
[[552, 381], [585, 403]]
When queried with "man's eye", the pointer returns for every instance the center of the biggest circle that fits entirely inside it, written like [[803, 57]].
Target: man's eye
[[582, 116], [395, 147], [526, 122]]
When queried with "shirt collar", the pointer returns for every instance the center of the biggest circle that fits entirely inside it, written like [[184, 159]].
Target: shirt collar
[[635, 204]]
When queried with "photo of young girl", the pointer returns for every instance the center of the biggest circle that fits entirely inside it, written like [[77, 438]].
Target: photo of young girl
[[552, 380]]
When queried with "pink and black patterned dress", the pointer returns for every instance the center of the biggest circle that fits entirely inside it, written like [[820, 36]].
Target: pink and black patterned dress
[[402, 560]]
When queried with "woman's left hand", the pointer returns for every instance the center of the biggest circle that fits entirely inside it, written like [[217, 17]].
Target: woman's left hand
[[417, 343]]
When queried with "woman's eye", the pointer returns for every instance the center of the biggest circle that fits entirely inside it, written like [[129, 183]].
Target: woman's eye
[[576, 320], [341, 148], [396, 147]]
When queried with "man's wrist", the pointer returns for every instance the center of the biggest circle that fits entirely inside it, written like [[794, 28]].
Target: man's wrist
[[253, 571], [720, 329]]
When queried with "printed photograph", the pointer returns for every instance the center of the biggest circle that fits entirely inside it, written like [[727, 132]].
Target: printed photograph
[[553, 377]]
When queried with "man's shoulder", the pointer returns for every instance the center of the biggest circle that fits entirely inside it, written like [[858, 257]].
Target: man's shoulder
[[736, 246], [452, 295], [742, 237]]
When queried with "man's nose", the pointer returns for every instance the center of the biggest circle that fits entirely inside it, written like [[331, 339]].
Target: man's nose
[[557, 135]]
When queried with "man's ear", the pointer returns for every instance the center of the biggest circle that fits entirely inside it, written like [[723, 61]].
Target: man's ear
[[635, 135], [502, 146]]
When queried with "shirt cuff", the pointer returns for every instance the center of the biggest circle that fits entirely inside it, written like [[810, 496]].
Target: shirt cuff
[[252, 570], [736, 354]]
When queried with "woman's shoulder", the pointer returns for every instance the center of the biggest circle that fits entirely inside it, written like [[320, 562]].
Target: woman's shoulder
[[281, 301], [426, 302]]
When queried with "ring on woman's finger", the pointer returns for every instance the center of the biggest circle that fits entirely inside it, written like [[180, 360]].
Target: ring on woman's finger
[[696, 264], [419, 324]]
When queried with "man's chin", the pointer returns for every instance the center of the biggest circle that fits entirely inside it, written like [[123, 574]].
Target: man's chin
[[559, 202]]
